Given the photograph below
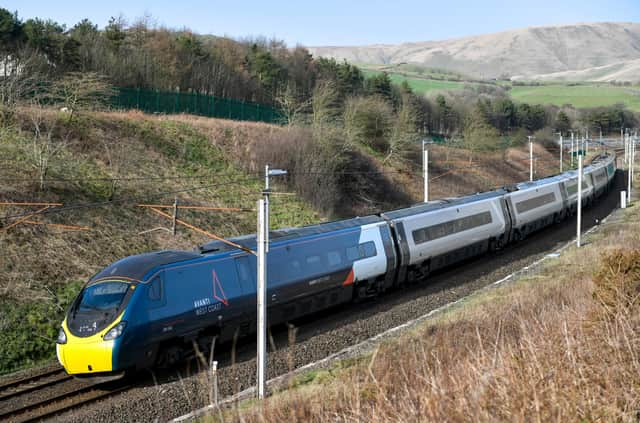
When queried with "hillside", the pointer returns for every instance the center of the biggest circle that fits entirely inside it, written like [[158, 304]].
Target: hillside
[[522, 53], [621, 71]]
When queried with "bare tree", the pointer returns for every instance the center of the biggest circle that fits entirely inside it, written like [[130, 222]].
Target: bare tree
[[117, 156], [44, 146], [325, 103], [20, 78], [403, 137], [291, 106], [82, 91], [368, 121]]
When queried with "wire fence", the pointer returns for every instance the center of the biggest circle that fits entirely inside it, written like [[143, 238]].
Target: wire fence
[[152, 101]]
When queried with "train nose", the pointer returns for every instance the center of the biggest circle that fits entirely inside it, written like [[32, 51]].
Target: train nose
[[86, 355]]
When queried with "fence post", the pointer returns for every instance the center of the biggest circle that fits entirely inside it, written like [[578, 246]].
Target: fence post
[[175, 216]]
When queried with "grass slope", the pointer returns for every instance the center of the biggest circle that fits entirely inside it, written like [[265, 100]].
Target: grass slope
[[421, 85], [580, 96]]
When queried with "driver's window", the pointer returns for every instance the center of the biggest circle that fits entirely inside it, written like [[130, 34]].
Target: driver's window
[[155, 289]]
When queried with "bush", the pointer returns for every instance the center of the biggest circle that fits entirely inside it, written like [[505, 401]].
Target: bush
[[28, 332], [368, 121], [618, 280], [480, 136]]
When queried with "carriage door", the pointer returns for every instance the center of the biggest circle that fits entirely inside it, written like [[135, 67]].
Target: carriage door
[[246, 269]]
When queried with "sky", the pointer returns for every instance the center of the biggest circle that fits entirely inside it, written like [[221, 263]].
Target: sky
[[336, 22]]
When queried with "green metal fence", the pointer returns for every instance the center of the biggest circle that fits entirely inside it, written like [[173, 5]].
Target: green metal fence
[[197, 104]]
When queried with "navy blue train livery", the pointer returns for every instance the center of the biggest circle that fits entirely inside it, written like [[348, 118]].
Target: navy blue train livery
[[151, 309]]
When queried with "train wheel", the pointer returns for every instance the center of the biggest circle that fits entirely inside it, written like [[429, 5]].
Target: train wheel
[[517, 236], [493, 245], [171, 355]]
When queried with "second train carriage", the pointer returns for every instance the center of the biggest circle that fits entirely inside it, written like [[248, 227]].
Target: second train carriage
[[436, 234]]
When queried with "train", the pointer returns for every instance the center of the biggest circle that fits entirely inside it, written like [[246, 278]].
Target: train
[[153, 309]]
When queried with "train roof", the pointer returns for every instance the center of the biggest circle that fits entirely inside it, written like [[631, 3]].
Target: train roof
[[136, 267], [540, 182], [440, 204], [249, 241], [601, 159], [595, 164]]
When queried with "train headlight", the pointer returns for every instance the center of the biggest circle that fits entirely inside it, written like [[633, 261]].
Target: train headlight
[[115, 331], [62, 337]]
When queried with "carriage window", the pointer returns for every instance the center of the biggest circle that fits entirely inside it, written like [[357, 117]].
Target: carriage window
[[244, 273], [334, 259], [155, 289], [443, 229], [314, 263], [535, 202], [361, 251], [294, 268], [368, 249], [353, 253]]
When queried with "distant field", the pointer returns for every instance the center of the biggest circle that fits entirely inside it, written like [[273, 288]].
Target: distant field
[[421, 85], [579, 95], [415, 70]]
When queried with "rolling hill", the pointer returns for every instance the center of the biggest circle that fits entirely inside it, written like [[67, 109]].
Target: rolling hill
[[603, 51]]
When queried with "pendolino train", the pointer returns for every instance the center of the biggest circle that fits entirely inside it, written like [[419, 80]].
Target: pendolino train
[[151, 309]]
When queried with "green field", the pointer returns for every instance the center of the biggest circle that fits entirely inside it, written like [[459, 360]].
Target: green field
[[426, 85], [579, 96], [415, 70], [421, 85]]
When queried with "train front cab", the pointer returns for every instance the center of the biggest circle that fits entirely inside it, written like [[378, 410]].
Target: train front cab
[[93, 329]]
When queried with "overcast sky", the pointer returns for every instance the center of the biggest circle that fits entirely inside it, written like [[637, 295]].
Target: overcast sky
[[333, 22]]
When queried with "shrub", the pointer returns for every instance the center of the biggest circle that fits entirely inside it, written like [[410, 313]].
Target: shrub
[[368, 121]]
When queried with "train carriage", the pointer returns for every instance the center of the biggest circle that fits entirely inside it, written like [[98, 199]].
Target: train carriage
[[535, 205], [437, 234], [599, 178], [571, 189]]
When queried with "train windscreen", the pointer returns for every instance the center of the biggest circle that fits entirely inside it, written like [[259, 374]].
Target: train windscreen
[[103, 296], [96, 307]]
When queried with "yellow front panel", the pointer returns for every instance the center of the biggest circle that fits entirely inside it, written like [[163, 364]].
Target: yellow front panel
[[86, 355]]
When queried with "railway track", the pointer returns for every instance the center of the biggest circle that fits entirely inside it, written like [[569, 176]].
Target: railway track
[[49, 392], [46, 377]]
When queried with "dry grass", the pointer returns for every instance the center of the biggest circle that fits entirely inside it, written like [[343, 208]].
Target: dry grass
[[561, 345]]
